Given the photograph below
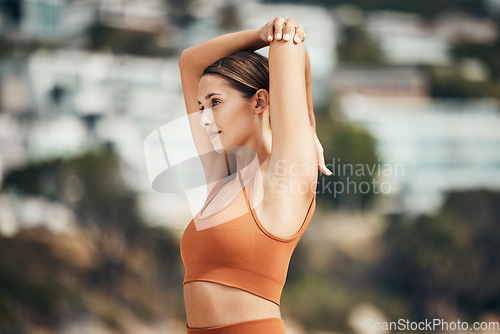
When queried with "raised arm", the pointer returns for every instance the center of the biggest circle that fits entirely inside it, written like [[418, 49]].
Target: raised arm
[[192, 62], [293, 146], [195, 59]]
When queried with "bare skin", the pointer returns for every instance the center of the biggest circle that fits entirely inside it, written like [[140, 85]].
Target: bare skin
[[291, 143]]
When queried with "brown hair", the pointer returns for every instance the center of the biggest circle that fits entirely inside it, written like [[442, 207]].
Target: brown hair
[[245, 71]]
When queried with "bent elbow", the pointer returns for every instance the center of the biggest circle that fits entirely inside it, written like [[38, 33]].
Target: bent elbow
[[183, 58]]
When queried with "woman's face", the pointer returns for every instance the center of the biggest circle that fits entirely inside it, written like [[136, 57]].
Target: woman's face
[[226, 114]]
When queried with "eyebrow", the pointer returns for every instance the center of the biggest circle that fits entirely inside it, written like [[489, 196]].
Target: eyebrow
[[209, 96]]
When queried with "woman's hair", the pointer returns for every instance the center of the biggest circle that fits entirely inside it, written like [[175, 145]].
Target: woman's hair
[[245, 71]]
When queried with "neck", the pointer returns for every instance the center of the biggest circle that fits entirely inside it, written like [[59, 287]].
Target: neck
[[246, 160], [245, 163]]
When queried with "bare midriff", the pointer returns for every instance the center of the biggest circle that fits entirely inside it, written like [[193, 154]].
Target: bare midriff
[[211, 304]]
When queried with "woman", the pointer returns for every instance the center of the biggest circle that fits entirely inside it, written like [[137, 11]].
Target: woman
[[262, 178]]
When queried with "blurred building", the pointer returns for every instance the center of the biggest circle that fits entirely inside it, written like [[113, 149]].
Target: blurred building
[[117, 99], [456, 27], [79, 100], [16, 106], [56, 19], [141, 15], [406, 40], [321, 32], [380, 82], [442, 144]]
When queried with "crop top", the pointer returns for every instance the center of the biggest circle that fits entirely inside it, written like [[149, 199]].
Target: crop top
[[240, 252]]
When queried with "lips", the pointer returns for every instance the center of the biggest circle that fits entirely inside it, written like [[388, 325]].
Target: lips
[[212, 135]]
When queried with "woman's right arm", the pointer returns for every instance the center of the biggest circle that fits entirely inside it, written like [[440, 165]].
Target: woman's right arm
[[192, 62], [195, 59]]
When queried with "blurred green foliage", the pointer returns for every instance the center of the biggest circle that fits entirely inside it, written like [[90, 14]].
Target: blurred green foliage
[[448, 82], [451, 258], [357, 47], [431, 266], [37, 286], [11, 9], [489, 53], [179, 11], [121, 41], [320, 302], [29, 287], [346, 145], [427, 8]]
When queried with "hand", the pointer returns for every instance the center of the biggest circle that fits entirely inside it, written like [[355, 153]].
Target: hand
[[285, 29], [321, 157]]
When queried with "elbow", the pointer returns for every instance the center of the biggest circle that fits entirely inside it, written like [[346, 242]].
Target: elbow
[[184, 58]]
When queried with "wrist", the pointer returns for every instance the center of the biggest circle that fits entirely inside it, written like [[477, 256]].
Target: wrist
[[259, 42]]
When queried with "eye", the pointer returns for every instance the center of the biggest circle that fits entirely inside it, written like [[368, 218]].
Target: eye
[[201, 108], [215, 102]]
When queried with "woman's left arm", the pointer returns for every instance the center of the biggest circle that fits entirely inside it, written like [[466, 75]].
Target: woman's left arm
[[294, 145]]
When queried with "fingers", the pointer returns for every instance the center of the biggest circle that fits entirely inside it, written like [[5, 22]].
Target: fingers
[[289, 29], [278, 27], [321, 164], [321, 158], [300, 33], [270, 29], [286, 29], [324, 169]]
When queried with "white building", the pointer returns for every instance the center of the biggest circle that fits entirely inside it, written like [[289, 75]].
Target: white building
[[406, 40], [127, 96], [56, 19], [456, 27], [443, 145], [321, 38], [141, 15], [376, 81], [321, 32]]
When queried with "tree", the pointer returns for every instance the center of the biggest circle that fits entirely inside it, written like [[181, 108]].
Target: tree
[[349, 150], [451, 258]]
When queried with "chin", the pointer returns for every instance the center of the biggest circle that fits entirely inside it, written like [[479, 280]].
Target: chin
[[218, 146]]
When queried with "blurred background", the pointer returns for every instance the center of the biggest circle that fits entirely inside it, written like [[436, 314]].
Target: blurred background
[[406, 97]]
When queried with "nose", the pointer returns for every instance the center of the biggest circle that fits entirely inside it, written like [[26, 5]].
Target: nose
[[206, 118]]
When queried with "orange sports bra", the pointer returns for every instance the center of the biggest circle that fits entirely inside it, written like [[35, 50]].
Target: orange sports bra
[[239, 252]]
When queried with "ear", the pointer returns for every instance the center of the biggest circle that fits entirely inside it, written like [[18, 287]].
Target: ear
[[261, 100]]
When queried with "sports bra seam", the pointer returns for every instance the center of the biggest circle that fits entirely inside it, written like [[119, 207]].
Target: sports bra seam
[[265, 231], [236, 266]]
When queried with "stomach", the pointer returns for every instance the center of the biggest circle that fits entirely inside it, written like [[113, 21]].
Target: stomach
[[211, 304]]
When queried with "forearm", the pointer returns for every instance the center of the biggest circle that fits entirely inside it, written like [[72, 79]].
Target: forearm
[[199, 56]]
